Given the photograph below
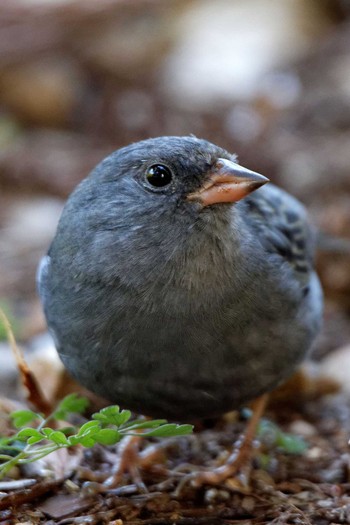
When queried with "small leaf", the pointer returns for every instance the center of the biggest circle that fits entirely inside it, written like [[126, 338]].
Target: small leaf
[[291, 444], [141, 423], [169, 430], [112, 416], [71, 404], [59, 438], [89, 428], [35, 439], [74, 440], [87, 441], [107, 436], [272, 435], [26, 433], [21, 418], [47, 431]]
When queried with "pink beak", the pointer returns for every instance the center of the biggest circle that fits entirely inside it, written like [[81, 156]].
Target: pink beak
[[228, 182]]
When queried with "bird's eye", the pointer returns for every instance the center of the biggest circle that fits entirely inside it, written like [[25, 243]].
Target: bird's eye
[[159, 175]]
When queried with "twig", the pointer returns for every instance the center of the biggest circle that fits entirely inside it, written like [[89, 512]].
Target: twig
[[35, 395]]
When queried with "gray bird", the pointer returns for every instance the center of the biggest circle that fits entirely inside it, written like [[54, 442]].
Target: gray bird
[[175, 289]]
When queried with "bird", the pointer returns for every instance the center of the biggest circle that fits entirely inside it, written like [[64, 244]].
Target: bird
[[180, 284]]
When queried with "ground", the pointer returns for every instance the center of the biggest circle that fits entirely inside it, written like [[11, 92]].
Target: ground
[[309, 487]]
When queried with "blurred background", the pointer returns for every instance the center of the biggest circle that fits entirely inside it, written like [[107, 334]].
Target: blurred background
[[79, 78]]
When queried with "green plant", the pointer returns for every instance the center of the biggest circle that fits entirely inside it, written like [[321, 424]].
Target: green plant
[[107, 427], [270, 434]]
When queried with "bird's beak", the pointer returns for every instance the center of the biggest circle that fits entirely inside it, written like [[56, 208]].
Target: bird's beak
[[227, 182]]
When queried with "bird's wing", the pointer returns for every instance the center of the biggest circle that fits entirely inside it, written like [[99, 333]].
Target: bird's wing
[[41, 277], [282, 226]]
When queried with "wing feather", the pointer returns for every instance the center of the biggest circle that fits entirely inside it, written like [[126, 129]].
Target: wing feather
[[283, 228]]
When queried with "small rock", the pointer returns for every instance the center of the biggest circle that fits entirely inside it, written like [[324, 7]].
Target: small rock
[[337, 366], [214, 495], [302, 428], [248, 504], [314, 453]]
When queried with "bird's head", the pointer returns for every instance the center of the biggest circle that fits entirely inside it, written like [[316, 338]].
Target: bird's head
[[185, 173], [146, 201]]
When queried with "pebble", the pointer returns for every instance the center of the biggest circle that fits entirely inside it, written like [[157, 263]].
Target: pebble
[[213, 495], [337, 366], [302, 428]]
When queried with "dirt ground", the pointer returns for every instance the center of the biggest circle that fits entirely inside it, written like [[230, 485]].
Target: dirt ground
[[306, 488]]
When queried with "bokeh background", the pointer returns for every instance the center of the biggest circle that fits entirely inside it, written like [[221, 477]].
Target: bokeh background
[[79, 78]]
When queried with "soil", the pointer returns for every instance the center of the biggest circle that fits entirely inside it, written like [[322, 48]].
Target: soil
[[277, 487]]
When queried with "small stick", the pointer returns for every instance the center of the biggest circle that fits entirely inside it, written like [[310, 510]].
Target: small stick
[[35, 395]]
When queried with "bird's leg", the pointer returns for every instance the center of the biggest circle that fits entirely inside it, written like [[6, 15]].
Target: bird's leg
[[127, 462], [241, 454], [131, 460]]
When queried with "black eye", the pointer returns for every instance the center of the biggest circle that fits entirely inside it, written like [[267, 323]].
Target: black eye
[[159, 175]]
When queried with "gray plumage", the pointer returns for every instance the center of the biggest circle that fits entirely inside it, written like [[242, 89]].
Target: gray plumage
[[172, 309]]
